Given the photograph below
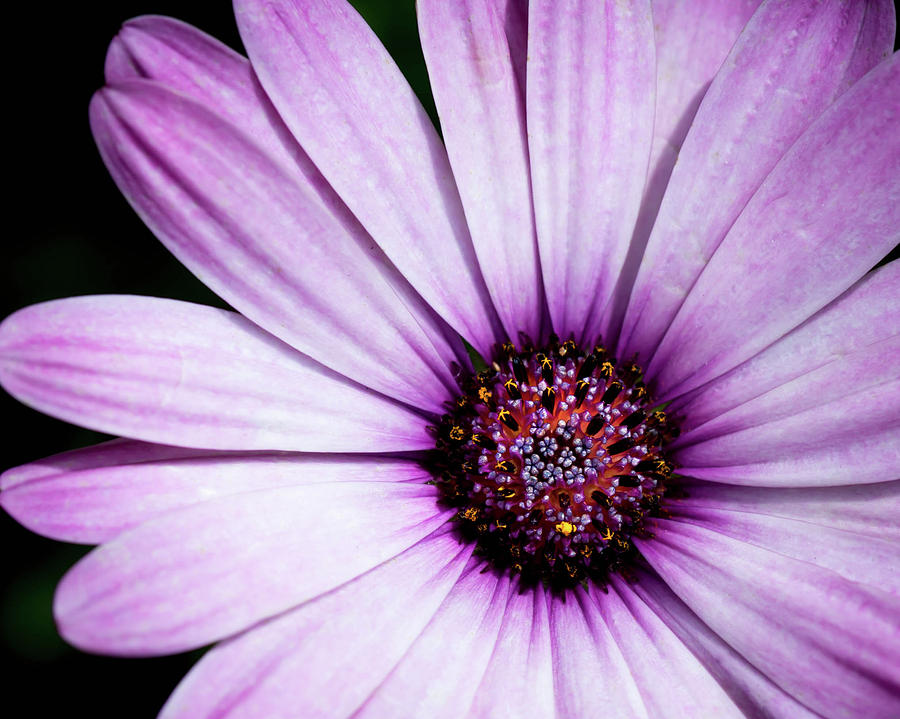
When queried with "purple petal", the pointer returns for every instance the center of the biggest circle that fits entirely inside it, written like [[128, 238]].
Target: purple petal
[[196, 575], [692, 40], [441, 671], [350, 108], [514, 17], [865, 315], [789, 63], [183, 374], [482, 111], [773, 608], [325, 657], [263, 236], [852, 440], [590, 95], [824, 216], [757, 695], [588, 664], [92, 495], [518, 681], [671, 680]]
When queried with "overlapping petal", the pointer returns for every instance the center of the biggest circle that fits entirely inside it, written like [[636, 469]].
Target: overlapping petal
[[324, 658], [92, 495], [266, 233], [199, 574], [787, 66], [183, 374], [590, 95], [352, 111]]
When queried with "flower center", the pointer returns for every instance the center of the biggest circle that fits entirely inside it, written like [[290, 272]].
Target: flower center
[[553, 459]]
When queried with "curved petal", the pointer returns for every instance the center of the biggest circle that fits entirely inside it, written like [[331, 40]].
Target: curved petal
[[482, 113], [787, 66], [773, 608], [518, 681], [749, 688], [92, 495], [863, 316], [183, 374], [352, 111], [855, 439], [440, 672], [671, 680], [514, 17], [196, 575], [692, 40], [588, 665], [590, 94], [823, 217], [261, 236], [323, 658]]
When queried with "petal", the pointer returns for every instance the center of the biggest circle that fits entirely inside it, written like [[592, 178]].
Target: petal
[[518, 681], [325, 657], [514, 16], [350, 108], [588, 664], [852, 440], [590, 95], [692, 40], [260, 234], [757, 695], [864, 315], [671, 680], [774, 609], [827, 213], [199, 574], [92, 495], [482, 111], [440, 672], [183, 374], [787, 66]]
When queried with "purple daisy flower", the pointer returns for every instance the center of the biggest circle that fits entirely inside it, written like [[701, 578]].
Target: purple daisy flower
[[368, 523]]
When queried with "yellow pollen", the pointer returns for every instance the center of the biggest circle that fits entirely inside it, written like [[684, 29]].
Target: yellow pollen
[[606, 534], [484, 394], [565, 528], [470, 513], [457, 433]]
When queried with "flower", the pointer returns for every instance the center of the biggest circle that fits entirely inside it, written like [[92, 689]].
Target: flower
[[272, 492]]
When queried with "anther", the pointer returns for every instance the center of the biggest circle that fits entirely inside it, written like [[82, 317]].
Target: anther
[[623, 445], [595, 425], [629, 480], [505, 466], [519, 370], [512, 389], [581, 392], [548, 399], [587, 367], [634, 419], [505, 416], [611, 393]]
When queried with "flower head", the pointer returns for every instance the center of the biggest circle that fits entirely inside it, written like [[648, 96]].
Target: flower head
[[661, 478]]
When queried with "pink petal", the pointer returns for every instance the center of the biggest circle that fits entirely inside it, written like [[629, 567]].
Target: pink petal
[[825, 215], [482, 111], [589, 669], [196, 575], [787, 66], [590, 95], [187, 375], [829, 642], [350, 108], [441, 671], [671, 680], [268, 238], [864, 316], [518, 681], [92, 495], [325, 657]]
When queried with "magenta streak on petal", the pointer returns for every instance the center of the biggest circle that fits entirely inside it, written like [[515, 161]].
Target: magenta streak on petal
[[91, 496], [352, 111], [513, 15], [324, 657], [863, 316], [823, 217], [262, 237], [773, 608], [482, 111], [788, 65], [183, 374], [590, 95], [199, 574]]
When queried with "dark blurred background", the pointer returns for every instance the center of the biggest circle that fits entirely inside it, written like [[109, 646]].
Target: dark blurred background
[[71, 233]]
